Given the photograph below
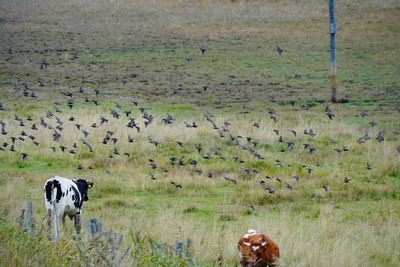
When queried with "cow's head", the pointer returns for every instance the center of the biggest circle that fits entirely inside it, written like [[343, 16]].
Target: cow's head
[[83, 186], [252, 247]]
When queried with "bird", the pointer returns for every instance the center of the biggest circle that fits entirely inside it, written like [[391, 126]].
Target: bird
[[279, 50], [328, 109], [230, 179], [44, 64], [153, 165], [152, 177], [238, 160], [103, 120], [330, 115], [176, 91], [114, 113], [85, 133], [293, 132], [176, 185], [130, 139], [292, 102], [360, 140], [325, 187], [192, 125], [369, 166], [24, 156], [107, 170], [269, 189], [153, 142], [289, 186], [203, 50], [132, 124], [312, 149], [333, 142], [207, 156], [172, 160], [164, 169], [380, 138], [181, 162], [347, 180], [193, 162]]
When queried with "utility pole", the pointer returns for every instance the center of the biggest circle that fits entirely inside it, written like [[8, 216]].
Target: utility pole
[[332, 30]]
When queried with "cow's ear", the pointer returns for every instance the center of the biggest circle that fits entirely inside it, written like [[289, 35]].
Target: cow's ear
[[89, 183]]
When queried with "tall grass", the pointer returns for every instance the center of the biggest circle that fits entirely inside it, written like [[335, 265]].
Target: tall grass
[[35, 248]]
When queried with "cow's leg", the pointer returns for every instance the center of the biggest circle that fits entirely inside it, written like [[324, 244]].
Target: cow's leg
[[78, 223], [56, 216], [63, 222]]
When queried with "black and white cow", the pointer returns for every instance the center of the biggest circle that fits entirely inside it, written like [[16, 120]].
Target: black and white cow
[[65, 197]]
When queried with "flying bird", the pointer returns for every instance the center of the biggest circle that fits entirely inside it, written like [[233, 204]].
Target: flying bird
[[230, 179], [279, 50]]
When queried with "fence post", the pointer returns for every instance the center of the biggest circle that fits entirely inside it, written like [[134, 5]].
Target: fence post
[[26, 218], [332, 30], [178, 248]]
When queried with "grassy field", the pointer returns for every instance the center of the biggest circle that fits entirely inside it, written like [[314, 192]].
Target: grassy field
[[143, 59]]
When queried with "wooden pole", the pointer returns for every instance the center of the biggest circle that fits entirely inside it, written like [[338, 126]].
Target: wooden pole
[[332, 30]]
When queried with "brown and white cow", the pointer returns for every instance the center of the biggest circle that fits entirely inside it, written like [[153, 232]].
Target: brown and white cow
[[257, 250]]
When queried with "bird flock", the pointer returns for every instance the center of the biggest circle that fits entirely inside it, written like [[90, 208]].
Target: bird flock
[[29, 129], [113, 146]]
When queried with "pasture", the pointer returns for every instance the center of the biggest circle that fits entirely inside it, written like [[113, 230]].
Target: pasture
[[183, 143]]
